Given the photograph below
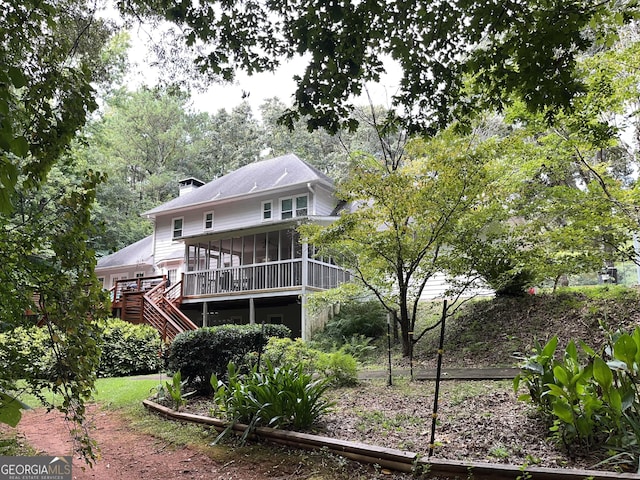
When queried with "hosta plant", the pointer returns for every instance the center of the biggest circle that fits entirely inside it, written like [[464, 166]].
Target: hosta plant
[[590, 398]]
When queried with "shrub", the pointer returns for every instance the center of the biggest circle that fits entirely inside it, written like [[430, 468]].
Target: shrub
[[129, 349], [356, 319], [172, 393], [126, 349], [278, 397], [200, 353], [26, 352], [590, 399], [338, 367]]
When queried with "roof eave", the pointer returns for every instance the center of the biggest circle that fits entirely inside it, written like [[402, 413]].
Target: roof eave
[[193, 206]]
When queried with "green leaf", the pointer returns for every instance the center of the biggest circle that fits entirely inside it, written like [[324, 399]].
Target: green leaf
[[555, 390], [627, 399], [602, 373], [20, 146], [550, 348], [625, 349], [10, 407], [588, 350], [572, 351], [563, 411], [561, 375], [615, 401], [17, 77]]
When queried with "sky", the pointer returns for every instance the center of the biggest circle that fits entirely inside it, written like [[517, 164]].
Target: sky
[[259, 87], [278, 84]]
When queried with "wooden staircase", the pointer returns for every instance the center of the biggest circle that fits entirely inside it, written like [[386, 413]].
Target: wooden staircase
[[149, 300]]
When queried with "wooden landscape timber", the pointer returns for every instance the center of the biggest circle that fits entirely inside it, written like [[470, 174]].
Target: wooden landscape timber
[[398, 460]]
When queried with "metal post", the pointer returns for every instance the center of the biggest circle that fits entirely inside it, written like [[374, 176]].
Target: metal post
[[438, 374], [260, 346], [636, 248], [390, 381], [411, 356]]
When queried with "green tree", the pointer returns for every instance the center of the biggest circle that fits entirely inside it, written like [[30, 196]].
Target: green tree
[[528, 49], [50, 61], [407, 220], [573, 183], [48, 270], [222, 142], [139, 142], [332, 154]]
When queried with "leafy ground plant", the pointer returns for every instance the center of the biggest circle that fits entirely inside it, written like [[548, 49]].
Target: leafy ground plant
[[591, 399], [278, 397], [173, 391]]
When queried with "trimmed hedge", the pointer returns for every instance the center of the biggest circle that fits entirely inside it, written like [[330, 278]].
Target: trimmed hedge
[[200, 353], [126, 349]]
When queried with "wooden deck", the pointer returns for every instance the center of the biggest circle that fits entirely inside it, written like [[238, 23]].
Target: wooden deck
[[149, 300]]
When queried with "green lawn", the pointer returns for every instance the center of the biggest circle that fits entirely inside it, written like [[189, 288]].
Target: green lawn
[[120, 392]]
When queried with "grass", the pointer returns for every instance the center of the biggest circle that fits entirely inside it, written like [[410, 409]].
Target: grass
[[122, 392], [125, 392]]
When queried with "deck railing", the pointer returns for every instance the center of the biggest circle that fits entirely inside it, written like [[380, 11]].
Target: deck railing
[[262, 276], [129, 285], [162, 314], [325, 275]]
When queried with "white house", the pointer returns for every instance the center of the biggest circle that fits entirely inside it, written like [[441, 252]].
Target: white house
[[230, 252]]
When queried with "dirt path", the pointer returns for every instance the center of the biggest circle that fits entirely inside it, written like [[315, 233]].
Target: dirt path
[[125, 454]]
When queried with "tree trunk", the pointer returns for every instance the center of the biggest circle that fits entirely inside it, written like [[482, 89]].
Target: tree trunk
[[406, 342]]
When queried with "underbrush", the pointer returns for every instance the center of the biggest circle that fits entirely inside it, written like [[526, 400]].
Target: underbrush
[[492, 332]]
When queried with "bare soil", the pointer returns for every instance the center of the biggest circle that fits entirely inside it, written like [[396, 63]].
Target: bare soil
[[124, 453]]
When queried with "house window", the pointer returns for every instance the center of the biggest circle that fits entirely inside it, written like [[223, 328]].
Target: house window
[[208, 221], [301, 206], [297, 207], [172, 275], [139, 274], [286, 208], [266, 210], [177, 227]]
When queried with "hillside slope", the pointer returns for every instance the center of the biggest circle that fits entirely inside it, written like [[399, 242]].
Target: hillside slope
[[495, 332]]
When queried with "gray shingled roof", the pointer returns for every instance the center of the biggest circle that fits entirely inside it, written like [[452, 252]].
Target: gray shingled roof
[[139, 253], [136, 253], [251, 179]]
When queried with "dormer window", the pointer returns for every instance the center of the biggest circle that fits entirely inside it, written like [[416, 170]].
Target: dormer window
[[177, 227], [266, 210], [208, 221]]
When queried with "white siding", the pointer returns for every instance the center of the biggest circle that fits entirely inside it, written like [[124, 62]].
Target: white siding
[[325, 202], [164, 244], [241, 213], [438, 285]]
